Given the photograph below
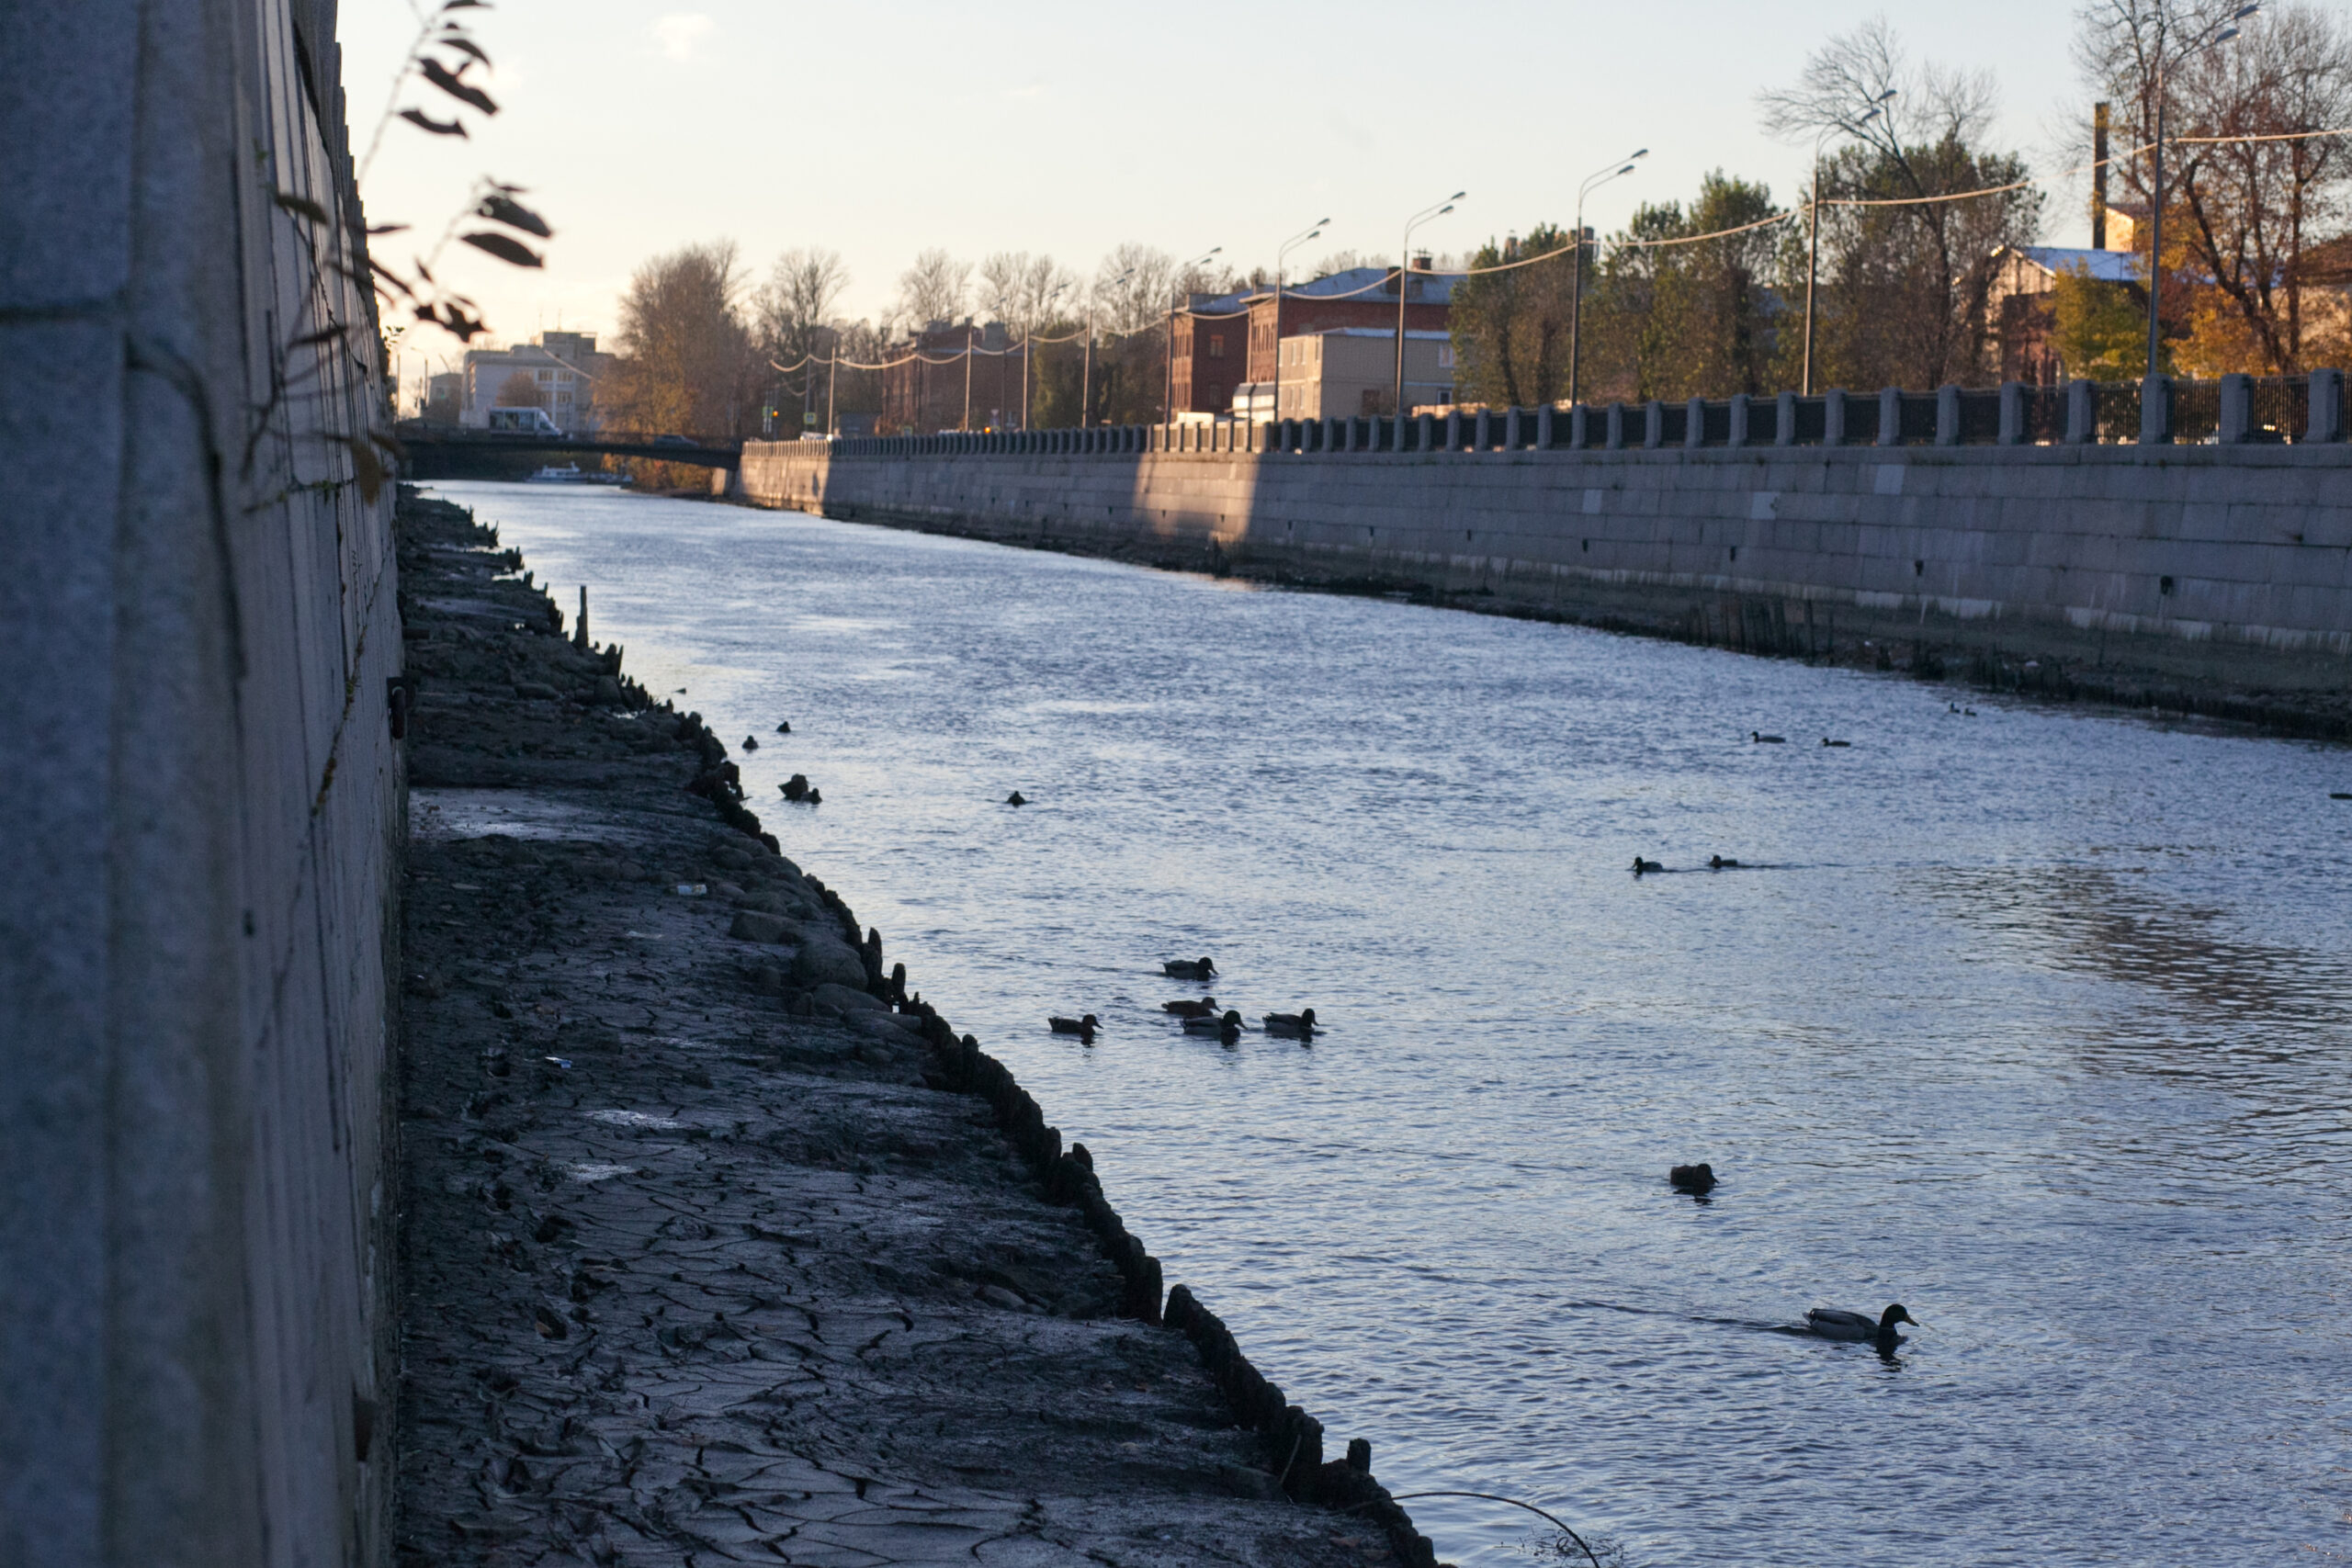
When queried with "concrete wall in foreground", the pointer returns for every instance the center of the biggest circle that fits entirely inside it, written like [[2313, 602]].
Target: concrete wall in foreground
[[2208, 555], [201, 797]]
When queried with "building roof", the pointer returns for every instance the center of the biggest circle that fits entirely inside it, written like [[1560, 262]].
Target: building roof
[[2107, 266], [1356, 282]]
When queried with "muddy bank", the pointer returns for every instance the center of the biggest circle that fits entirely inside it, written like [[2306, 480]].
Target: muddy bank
[[719, 1242]]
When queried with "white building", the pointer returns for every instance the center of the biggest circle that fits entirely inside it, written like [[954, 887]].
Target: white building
[[558, 373], [1348, 372]]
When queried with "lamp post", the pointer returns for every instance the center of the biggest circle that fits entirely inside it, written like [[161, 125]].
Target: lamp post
[[1601, 176], [1280, 250], [2217, 32], [1813, 242], [1086, 377], [1404, 270], [1168, 398]]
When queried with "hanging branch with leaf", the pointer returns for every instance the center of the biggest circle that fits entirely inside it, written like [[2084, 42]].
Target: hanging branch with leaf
[[444, 52]]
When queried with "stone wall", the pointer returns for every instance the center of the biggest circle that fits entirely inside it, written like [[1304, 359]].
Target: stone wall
[[197, 628], [2229, 561]]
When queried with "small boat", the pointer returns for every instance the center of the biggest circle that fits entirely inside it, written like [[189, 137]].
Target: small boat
[[569, 474], [1189, 969], [1205, 1007]]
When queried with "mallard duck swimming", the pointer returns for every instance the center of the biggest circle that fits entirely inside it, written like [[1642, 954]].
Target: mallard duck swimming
[[1297, 1025], [1205, 1007], [1760, 739], [1835, 1322], [1722, 862], [785, 729], [1082, 1027], [751, 743], [1228, 1026], [1826, 741], [1696, 1179], [1641, 865], [1015, 798], [1189, 969]]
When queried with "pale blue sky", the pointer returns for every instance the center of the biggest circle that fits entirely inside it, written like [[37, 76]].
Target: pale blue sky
[[880, 127]]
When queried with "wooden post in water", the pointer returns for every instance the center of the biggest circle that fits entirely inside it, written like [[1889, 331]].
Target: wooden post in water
[[580, 632]]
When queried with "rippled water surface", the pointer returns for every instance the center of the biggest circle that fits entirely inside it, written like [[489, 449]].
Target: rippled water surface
[[2036, 1021]]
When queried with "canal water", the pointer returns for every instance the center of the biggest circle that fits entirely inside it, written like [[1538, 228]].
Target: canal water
[[2037, 1022]]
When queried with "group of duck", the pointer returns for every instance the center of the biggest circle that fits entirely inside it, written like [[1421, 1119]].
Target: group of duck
[[1823, 1323], [1201, 1015], [1757, 737]]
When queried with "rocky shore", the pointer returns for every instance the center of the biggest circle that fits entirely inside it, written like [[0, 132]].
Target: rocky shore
[[719, 1244]]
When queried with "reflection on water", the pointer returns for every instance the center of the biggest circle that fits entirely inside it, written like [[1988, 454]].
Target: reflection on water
[[2034, 1022]]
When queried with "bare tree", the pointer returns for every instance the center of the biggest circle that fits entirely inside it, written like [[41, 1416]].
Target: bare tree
[[933, 289], [2241, 215], [794, 307], [1132, 287], [687, 362], [1911, 281]]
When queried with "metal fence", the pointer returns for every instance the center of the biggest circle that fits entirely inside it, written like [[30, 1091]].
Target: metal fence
[[2232, 410]]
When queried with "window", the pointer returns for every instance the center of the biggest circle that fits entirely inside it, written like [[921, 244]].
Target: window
[[1217, 346], [1445, 356]]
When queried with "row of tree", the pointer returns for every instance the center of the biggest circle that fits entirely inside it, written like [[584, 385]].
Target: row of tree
[[2253, 277], [1905, 261]]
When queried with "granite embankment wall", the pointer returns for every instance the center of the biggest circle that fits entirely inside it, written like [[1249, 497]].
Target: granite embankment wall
[[203, 795], [2230, 563]]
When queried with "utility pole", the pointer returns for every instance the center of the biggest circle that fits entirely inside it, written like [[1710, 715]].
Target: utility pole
[[1813, 242], [1404, 272], [1575, 287]]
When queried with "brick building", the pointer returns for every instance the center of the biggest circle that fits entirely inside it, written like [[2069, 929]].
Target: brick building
[[1227, 347], [930, 393]]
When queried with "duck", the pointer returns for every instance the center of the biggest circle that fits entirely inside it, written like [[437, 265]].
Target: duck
[[1757, 737], [1835, 1322], [1182, 1008], [1299, 1025], [796, 787], [1696, 1179], [1641, 865], [751, 743], [1226, 1027], [1015, 798], [1083, 1028], [785, 729], [1826, 741], [815, 795], [1722, 862], [1189, 969]]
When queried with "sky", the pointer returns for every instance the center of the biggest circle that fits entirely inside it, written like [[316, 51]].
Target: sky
[[879, 128]]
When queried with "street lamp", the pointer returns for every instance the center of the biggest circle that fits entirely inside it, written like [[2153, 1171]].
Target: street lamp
[[1280, 250], [2217, 32], [1404, 270], [1086, 377], [1043, 305], [1813, 244], [1167, 401], [1601, 176]]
